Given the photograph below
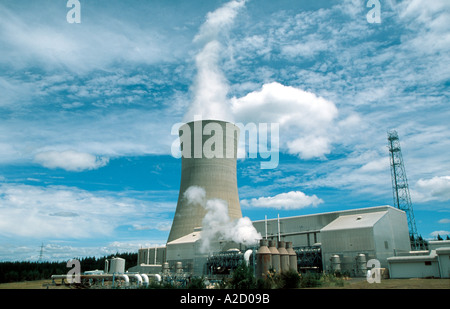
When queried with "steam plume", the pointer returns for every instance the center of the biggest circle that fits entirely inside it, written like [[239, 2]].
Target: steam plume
[[217, 224], [210, 87]]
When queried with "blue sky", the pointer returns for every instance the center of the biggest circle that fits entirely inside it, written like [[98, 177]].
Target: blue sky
[[87, 109]]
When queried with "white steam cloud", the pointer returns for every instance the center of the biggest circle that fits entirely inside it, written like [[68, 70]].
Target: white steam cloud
[[217, 224], [195, 195], [211, 87]]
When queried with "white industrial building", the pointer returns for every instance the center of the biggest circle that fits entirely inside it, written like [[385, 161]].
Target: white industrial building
[[349, 238], [432, 263], [334, 241]]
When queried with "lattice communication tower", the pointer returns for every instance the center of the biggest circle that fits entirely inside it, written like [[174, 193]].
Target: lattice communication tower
[[402, 199]]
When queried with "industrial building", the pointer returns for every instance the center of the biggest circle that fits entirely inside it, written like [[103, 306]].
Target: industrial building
[[347, 241], [335, 241], [343, 240], [432, 263]]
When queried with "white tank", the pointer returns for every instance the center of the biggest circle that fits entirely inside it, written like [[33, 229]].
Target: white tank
[[335, 263], [361, 264], [117, 265], [165, 268], [179, 267]]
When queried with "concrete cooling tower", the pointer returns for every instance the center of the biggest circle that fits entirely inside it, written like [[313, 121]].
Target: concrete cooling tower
[[209, 153]]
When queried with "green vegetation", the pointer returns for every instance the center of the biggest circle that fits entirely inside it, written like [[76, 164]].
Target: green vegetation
[[294, 280], [29, 271], [242, 277]]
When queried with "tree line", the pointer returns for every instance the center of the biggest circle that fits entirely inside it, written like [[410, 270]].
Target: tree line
[[29, 271]]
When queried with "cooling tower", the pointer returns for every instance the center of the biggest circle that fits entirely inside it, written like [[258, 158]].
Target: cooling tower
[[209, 153]]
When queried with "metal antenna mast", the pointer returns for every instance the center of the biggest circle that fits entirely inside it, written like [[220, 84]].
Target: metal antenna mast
[[402, 199]]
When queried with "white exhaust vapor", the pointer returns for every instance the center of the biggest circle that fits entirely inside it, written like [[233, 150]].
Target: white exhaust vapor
[[210, 87], [217, 225]]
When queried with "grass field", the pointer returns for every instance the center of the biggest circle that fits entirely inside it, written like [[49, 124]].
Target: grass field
[[397, 284], [349, 284]]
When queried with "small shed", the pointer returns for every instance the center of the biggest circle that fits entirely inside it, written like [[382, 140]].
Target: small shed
[[436, 264]]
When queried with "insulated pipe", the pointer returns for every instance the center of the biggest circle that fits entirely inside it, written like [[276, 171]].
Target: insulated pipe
[[279, 232], [145, 279], [125, 277], [138, 278], [157, 277], [247, 256]]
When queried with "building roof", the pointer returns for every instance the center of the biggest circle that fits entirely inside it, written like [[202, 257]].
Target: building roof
[[413, 258], [357, 221], [339, 212], [189, 238]]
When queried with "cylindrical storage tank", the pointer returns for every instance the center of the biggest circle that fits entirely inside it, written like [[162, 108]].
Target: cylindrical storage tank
[[335, 263], [117, 266], [292, 256], [106, 266], [179, 268], [275, 256], [209, 154], [263, 259], [165, 268], [361, 264], [284, 256]]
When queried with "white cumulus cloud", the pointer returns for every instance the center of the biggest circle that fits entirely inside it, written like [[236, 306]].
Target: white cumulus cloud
[[70, 160], [305, 119], [61, 212], [436, 188], [290, 200]]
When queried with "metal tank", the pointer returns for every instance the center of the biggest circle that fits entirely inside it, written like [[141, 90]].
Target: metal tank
[[284, 256], [292, 256], [179, 268], [117, 266], [335, 263], [263, 259], [275, 256], [209, 153], [361, 265], [165, 268]]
